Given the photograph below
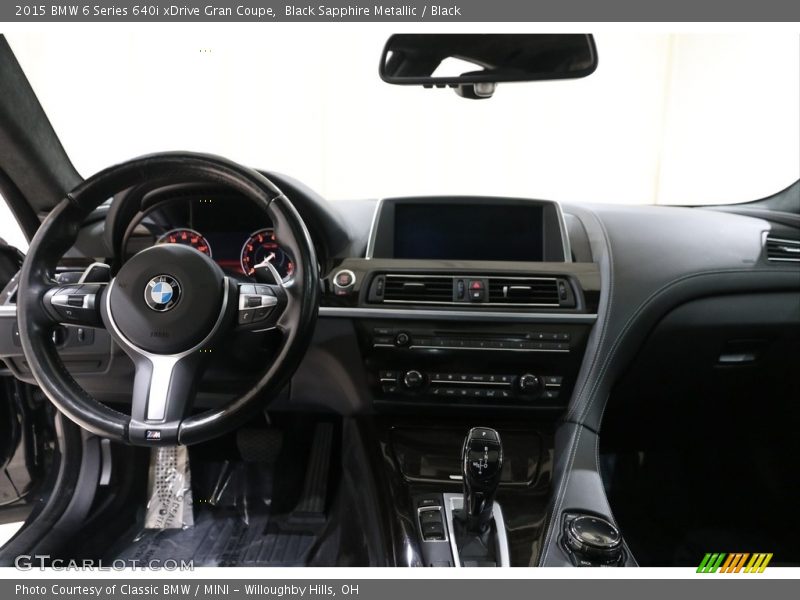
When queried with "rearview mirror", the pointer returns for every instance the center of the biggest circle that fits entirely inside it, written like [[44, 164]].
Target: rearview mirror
[[474, 64]]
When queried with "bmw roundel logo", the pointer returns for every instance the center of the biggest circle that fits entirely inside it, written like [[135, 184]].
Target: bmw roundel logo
[[162, 293]]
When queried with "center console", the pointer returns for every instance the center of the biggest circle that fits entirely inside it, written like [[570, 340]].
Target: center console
[[469, 302], [470, 311]]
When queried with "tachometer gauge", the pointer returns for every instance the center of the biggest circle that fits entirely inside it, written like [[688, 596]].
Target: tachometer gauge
[[186, 237], [262, 247]]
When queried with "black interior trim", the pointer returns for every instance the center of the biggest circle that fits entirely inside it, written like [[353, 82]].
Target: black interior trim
[[30, 151]]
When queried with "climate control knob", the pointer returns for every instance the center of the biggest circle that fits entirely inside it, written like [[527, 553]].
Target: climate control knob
[[413, 379], [529, 384]]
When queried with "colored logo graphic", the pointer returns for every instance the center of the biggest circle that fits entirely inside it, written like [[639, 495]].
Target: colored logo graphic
[[162, 293], [734, 563]]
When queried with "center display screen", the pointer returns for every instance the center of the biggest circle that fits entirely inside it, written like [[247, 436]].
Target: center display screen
[[468, 232]]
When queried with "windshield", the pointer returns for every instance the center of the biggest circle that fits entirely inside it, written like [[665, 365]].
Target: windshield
[[665, 119]]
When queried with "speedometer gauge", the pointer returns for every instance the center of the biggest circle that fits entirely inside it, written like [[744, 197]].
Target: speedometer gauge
[[262, 247], [186, 237]]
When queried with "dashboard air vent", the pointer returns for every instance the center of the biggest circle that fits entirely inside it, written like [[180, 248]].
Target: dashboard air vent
[[527, 291], [418, 288], [781, 249]]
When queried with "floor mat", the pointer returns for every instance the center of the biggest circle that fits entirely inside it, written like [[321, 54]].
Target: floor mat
[[236, 522], [225, 541]]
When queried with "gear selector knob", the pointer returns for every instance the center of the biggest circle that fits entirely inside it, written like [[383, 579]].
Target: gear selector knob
[[482, 463]]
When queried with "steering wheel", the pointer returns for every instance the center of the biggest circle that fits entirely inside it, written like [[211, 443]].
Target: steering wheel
[[166, 307]]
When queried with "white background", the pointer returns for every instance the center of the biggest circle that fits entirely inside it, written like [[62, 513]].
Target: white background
[[692, 118]]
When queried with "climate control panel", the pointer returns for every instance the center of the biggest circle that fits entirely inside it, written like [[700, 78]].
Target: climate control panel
[[513, 366], [543, 389]]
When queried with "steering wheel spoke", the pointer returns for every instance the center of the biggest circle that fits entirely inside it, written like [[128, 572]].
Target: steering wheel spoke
[[163, 390], [75, 303]]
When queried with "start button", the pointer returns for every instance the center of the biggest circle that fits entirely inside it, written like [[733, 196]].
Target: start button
[[343, 282]]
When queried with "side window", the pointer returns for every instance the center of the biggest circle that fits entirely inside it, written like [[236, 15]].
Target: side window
[[10, 231]]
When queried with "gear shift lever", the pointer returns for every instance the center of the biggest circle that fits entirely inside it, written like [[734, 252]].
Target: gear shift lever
[[482, 462]]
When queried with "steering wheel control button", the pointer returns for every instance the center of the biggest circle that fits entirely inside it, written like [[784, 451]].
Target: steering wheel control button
[[255, 303], [76, 303], [593, 540], [343, 282], [162, 293], [260, 314]]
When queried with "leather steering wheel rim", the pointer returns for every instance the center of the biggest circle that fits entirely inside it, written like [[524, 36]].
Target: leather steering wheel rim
[[294, 316]]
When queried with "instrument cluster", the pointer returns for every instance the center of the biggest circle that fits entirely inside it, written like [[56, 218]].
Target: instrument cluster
[[227, 229]]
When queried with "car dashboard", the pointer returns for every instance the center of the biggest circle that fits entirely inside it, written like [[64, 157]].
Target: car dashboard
[[440, 313]]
